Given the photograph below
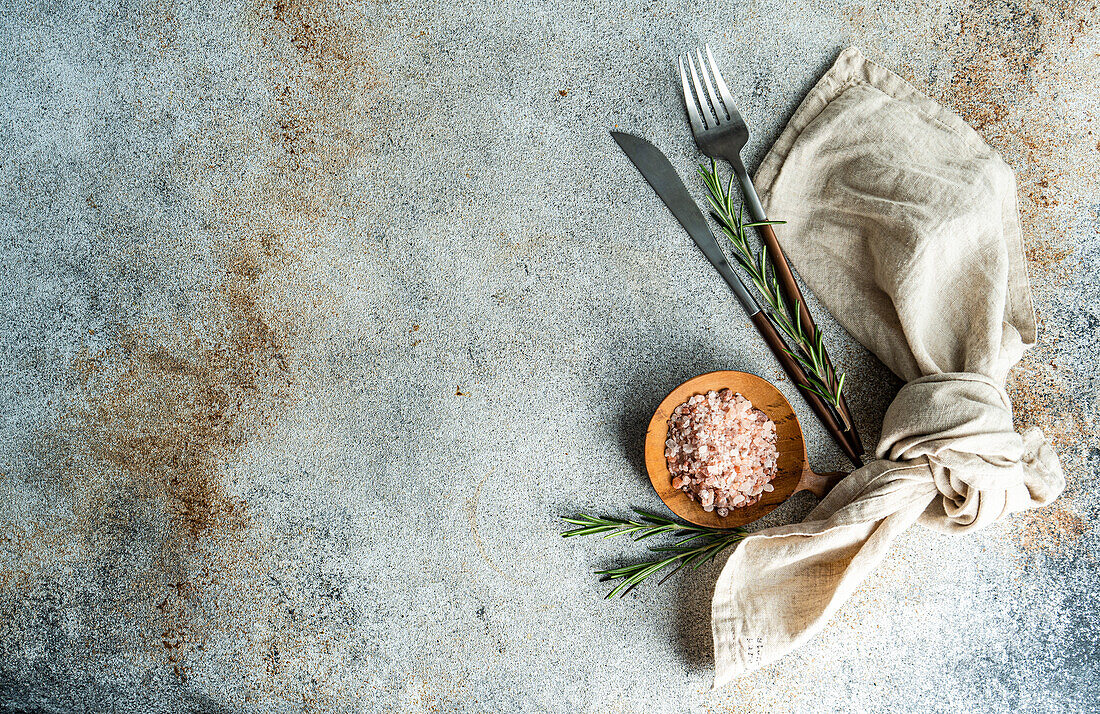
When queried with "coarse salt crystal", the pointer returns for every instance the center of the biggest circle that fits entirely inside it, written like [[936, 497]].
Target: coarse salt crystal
[[721, 450]]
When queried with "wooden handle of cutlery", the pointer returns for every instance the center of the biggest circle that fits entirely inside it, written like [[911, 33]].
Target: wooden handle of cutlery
[[819, 484], [798, 376], [789, 286]]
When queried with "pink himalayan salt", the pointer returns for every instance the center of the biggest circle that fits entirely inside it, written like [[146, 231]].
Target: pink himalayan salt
[[721, 451]]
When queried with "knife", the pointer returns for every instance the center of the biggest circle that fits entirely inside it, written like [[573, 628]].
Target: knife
[[662, 176]]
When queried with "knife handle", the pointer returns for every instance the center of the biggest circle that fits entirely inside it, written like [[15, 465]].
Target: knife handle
[[798, 376]]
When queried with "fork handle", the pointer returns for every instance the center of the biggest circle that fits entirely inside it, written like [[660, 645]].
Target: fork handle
[[752, 200], [787, 283]]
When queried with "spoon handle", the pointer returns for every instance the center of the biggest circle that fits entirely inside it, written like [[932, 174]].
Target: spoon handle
[[819, 484]]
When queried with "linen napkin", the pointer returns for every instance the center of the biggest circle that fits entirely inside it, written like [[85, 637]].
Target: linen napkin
[[904, 224]]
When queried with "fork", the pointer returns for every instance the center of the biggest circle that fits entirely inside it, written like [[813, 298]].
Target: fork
[[721, 133]]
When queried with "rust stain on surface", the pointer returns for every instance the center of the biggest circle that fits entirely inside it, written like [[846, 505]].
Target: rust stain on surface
[[1051, 530], [1008, 66], [150, 447], [325, 85], [1008, 63], [147, 454], [1007, 59]]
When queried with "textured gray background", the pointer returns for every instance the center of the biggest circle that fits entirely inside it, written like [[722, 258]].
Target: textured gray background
[[316, 315]]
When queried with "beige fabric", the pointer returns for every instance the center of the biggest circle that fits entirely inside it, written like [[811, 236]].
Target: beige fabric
[[904, 224]]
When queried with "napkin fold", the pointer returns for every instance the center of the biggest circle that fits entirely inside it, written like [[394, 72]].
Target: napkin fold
[[904, 224]]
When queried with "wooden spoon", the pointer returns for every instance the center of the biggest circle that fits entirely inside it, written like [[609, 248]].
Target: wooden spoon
[[794, 473]]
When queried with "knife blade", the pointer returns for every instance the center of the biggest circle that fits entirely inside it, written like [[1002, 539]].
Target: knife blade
[[663, 178]]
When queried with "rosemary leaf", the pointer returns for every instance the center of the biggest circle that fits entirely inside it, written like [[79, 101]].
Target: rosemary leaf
[[695, 546], [809, 349]]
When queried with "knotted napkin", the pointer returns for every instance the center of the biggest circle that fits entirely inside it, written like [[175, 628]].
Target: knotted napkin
[[904, 224]]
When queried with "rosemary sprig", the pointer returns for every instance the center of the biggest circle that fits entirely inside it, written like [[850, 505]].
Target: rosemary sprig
[[821, 378], [697, 545]]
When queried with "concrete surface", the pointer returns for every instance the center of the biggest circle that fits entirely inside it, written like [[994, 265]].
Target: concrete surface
[[317, 315]]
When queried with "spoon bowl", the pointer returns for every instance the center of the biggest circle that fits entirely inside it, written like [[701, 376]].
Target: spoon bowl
[[793, 472]]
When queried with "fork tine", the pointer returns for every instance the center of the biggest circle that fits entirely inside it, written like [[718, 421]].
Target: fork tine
[[698, 126], [707, 111], [719, 108], [727, 98]]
